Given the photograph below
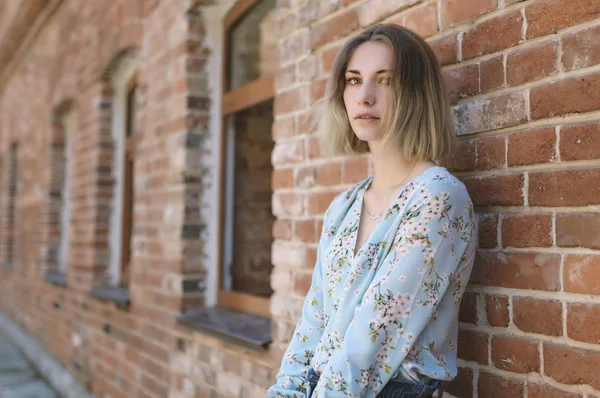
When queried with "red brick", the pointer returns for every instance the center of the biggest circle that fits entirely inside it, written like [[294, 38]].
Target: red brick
[[564, 188], [515, 354], [580, 142], [355, 169], [581, 49], [294, 46], [517, 270], [329, 174], [531, 63], [302, 283], [538, 315], [333, 28], [535, 390], [326, 59], [318, 202], [493, 35], [305, 124], [558, 98], [468, 308], [463, 157], [550, 16], [288, 152], [500, 111], [282, 229], [583, 321], [306, 176], [461, 82], [496, 307], [421, 20], [288, 204], [502, 190], [570, 365], [491, 385], [527, 230], [291, 100], [304, 231], [454, 12], [491, 153], [376, 10], [283, 128], [462, 385], [473, 346], [581, 274], [285, 77], [491, 74], [445, 49], [488, 231], [282, 178], [317, 90], [578, 230], [532, 146], [313, 147]]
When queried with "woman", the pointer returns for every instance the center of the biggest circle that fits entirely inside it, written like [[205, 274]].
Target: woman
[[396, 250]]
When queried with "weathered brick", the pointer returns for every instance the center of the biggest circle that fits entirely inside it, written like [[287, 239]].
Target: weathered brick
[[527, 230], [532, 146], [282, 229], [538, 315], [580, 142], [581, 274], [288, 204], [502, 190], [582, 320], [561, 97], [578, 230], [283, 127], [468, 308], [282, 178], [531, 63], [302, 281], [454, 12], [491, 385], [550, 16], [445, 49], [326, 59], [288, 152], [376, 10], [461, 82], [504, 110], [538, 390], [329, 174], [355, 169], [491, 153], [515, 354], [581, 48], [496, 307], [291, 100], [333, 28], [564, 188], [488, 231], [463, 158], [517, 270], [304, 231], [421, 20], [571, 365], [318, 202], [506, 29], [462, 385], [305, 176]]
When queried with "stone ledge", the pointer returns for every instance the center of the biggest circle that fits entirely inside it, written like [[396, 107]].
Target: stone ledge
[[116, 294], [56, 278], [51, 370], [239, 328]]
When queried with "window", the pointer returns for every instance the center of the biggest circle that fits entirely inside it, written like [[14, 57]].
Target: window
[[124, 89], [246, 192], [13, 190]]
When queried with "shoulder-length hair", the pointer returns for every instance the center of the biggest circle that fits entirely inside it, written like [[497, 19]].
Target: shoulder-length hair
[[418, 122]]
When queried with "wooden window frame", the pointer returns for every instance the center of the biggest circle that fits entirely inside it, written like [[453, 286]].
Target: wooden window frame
[[13, 193], [250, 94], [128, 180]]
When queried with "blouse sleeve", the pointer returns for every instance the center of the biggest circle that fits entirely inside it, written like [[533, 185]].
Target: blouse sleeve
[[291, 378], [430, 260]]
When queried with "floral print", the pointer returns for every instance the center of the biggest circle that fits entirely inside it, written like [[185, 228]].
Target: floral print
[[390, 310]]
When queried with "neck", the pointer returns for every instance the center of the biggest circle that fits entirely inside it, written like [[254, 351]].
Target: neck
[[390, 169]]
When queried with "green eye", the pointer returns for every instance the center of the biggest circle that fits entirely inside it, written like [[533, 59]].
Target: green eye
[[385, 80], [353, 80]]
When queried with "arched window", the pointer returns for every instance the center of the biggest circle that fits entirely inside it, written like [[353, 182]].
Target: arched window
[[246, 192]]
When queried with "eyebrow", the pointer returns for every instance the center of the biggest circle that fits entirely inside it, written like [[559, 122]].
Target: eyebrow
[[355, 72]]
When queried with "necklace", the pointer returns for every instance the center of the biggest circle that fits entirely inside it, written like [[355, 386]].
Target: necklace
[[376, 217]]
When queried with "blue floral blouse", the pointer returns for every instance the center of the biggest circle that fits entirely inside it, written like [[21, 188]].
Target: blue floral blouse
[[391, 310]]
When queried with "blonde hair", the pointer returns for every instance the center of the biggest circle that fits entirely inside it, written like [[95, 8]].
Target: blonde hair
[[418, 122]]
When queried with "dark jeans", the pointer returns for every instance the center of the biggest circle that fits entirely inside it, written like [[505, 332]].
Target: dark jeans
[[395, 388]]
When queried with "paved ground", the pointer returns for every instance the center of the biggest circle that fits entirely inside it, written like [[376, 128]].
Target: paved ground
[[18, 379]]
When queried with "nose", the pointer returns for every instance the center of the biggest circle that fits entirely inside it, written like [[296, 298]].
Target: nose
[[366, 95]]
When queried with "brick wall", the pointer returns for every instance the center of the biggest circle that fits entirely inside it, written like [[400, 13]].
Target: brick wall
[[524, 79]]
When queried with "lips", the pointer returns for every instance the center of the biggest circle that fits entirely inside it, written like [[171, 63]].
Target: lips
[[366, 116]]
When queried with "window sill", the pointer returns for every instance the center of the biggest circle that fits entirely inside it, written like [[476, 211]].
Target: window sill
[[56, 278], [239, 328], [116, 294]]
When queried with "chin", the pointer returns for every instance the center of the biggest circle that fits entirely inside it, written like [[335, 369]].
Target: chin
[[368, 136]]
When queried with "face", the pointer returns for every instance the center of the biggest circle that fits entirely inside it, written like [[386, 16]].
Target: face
[[367, 91]]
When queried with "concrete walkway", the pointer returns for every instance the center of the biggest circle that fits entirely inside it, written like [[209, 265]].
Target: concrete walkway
[[18, 378]]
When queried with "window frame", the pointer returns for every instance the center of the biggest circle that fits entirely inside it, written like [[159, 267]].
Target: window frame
[[252, 93]]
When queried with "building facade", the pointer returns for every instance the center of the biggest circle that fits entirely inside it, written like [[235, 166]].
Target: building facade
[[161, 191]]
